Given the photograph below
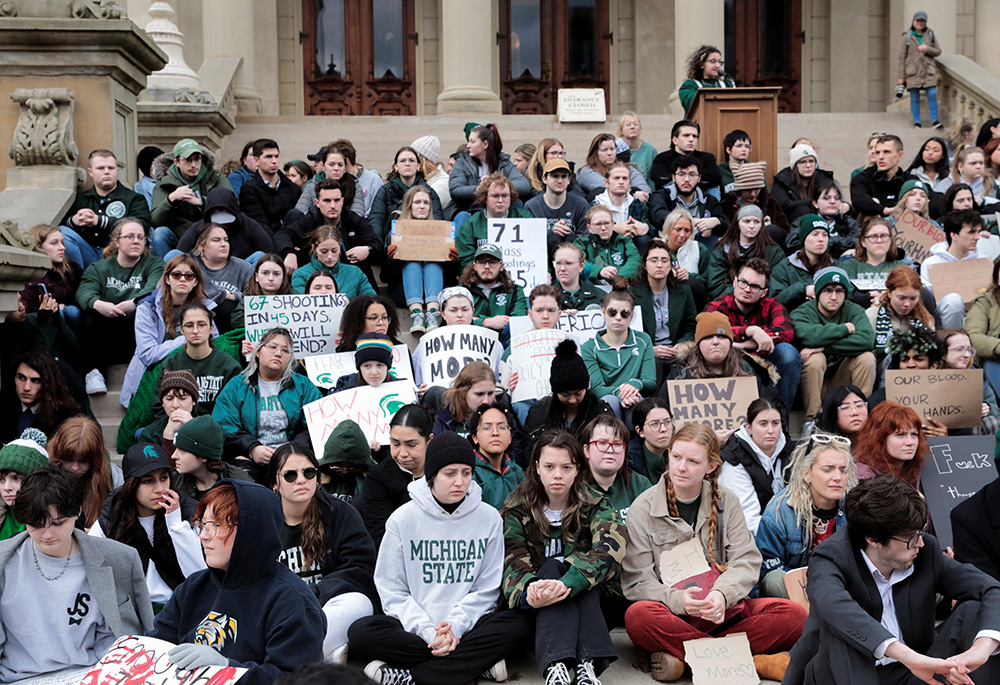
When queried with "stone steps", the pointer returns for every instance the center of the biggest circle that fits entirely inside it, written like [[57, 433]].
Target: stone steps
[[108, 411]]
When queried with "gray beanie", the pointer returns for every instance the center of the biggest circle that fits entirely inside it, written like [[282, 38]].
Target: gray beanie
[[749, 210]]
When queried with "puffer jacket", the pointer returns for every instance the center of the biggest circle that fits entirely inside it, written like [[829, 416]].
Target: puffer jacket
[[464, 179], [918, 68]]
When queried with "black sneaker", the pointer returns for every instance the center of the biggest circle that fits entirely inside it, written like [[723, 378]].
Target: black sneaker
[[383, 673], [937, 124], [585, 673], [917, 125]]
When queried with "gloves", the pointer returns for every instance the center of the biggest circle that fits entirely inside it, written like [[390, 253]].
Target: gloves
[[189, 656], [390, 250], [452, 254]]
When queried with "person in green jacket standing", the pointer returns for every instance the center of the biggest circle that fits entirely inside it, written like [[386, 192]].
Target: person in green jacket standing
[[491, 431], [836, 339], [704, 70]]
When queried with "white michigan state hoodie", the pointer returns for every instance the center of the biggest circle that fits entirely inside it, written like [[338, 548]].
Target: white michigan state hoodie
[[435, 566]]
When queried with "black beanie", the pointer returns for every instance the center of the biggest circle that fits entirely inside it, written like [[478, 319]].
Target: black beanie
[[569, 373], [144, 160], [447, 447]]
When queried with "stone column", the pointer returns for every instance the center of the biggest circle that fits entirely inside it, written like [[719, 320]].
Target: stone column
[[849, 94], [987, 45], [162, 29], [234, 20], [696, 23], [467, 58]]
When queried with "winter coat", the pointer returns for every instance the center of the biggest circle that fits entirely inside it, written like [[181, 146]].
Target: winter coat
[[744, 472], [872, 184], [782, 542], [384, 491], [118, 204], [464, 179], [717, 276], [350, 279], [786, 192], [535, 424], [238, 178], [355, 231], [180, 215], [665, 200], [619, 252], [789, 280], [348, 565], [268, 205], [918, 68], [680, 303], [389, 200], [471, 235], [246, 236], [497, 485], [983, 324], [499, 303]]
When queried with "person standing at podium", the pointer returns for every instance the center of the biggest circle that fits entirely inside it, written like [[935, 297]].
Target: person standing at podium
[[704, 71]]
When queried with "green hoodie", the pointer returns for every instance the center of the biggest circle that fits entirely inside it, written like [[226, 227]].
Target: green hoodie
[[180, 215], [618, 252], [812, 329], [621, 496], [610, 367], [347, 444], [110, 281]]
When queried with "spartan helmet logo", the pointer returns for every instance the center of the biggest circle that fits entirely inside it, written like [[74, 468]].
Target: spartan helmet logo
[[214, 630]]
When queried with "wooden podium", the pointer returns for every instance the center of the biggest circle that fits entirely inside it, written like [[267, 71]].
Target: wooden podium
[[754, 110]]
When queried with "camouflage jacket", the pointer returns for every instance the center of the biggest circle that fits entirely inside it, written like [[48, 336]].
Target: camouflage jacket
[[594, 556]]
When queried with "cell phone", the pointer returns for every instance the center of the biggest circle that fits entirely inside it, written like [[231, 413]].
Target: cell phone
[[45, 291]]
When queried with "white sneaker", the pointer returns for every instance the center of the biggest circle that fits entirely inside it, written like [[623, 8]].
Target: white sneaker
[[95, 383], [497, 673], [338, 656]]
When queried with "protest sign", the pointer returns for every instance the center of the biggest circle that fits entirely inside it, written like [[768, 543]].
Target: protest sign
[[531, 356], [916, 235], [422, 241], [525, 249], [958, 467], [952, 396], [683, 561], [324, 370], [721, 660], [719, 403], [138, 659], [968, 278], [795, 584], [447, 350], [369, 407], [313, 320], [581, 326]]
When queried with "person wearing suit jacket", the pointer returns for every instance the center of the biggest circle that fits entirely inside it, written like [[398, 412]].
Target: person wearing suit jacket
[[975, 528], [65, 597], [872, 592]]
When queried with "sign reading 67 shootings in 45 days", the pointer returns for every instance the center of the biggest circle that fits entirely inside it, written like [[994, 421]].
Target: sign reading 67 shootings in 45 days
[[313, 320]]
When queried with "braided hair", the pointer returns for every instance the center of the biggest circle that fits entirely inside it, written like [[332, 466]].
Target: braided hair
[[705, 437]]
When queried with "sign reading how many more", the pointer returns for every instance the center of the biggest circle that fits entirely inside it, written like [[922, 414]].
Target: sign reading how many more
[[525, 249], [313, 320], [531, 356], [370, 407], [325, 370], [960, 465], [719, 403], [449, 349]]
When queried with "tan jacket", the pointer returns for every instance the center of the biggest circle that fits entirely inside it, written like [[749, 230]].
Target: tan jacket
[[918, 68], [652, 531]]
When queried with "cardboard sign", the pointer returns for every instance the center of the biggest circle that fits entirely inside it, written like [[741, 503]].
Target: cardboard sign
[[447, 350], [525, 249], [721, 660], [531, 356], [137, 659], [952, 396], [313, 320], [969, 278], [582, 104], [795, 584], [422, 241], [719, 403], [916, 235], [369, 407], [958, 467], [581, 326], [325, 370], [683, 561]]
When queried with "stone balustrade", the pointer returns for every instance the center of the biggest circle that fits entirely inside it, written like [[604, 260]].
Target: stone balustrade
[[967, 89]]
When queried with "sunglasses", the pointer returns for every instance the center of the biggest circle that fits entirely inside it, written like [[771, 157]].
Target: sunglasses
[[626, 313], [292, 475], [826, 439], [182, 276]]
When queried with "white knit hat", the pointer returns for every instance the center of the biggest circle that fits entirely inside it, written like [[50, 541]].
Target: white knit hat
[[429, 147], [799, 151]]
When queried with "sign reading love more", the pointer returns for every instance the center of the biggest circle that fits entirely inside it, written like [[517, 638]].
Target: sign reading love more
[[447, 350], [952, 396], [721, 660], [581, 326], [422, 241], [916, 235], [525, 250], [138, 659], [959, 466], [325, 370], [531, 356], [370, 407], [719, 403], [313, 320]]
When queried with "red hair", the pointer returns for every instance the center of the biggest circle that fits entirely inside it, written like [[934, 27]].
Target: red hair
[[225, 506], [905, 277], [884, 420]]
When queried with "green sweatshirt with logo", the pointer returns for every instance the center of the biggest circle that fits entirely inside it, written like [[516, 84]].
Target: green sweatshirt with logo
[[110, 281]]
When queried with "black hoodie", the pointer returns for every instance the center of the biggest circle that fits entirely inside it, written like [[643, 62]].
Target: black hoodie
[[246, 236], [257, 613]]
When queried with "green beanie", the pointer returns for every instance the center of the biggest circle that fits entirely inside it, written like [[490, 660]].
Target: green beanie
[[22, 456], [347, 443], [203, 437], [809, 223]]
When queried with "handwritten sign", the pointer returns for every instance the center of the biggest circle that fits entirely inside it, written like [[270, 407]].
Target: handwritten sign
[[525, 250], [370, 407], [138, 659], [870, 281], [325, 370], [952, 396], [447, 350], [719, 403], [721, 660], [916, 235], [683, 561], [581, 326], [582, 104], [422, 241], [313, 320], [968, 278], [958, 467], [795, 584], [531, 356]]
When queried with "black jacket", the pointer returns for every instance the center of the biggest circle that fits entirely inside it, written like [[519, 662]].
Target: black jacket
[[872, 184], [389, 200], [663, 201], [786, 192], [737, 453], [975, 529], [384, 492], [246, 236], [661, 171], [349, 562], [355, 231], [266, 205]]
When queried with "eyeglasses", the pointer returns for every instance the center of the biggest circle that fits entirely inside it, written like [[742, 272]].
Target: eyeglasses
[[658, 260], [625, 313], [962, 350], [377, 318], [494, 428], [877, 237], [659, 424], [488, 261], [606, 446], [195, 325], [209, 528], [133, 238], [555, 153], [713, 61], [747, 285], [275, 348], [292, 475], [686, 174], [826, 439], [853, 405], [183, 275], [601, 224], [911, 541]]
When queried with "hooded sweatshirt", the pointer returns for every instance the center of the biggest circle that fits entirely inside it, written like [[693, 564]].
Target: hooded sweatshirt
[[110, 281], [436, 566], [180, 215], [257, 613], [347, 444], [940, 255], [246, 236]]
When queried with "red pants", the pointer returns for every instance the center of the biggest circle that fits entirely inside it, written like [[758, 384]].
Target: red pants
[[771, 625]]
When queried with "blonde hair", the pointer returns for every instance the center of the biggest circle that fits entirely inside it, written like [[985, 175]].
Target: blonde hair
[[703, 436], [116, 232], [626, 115], [671, 221]]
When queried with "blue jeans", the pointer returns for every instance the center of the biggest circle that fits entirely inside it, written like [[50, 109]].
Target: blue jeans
[[931, 103], [78, 249], [422, 282], [788, 360], [162, 240], [522, 408], [72, 316]]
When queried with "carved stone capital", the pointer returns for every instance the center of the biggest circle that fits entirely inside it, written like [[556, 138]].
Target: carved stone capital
[[194, 96], [9, 235], [44, 132], [97, 9]]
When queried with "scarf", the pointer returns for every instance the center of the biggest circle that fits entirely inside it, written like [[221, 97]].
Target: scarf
[[884, 330]]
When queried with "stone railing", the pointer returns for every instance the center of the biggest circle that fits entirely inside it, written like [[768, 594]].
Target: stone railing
[[967, 89]]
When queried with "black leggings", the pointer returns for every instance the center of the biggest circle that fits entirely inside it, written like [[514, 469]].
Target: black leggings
[[106, 341]]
